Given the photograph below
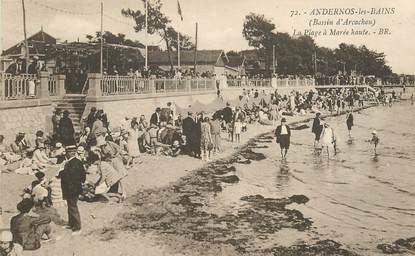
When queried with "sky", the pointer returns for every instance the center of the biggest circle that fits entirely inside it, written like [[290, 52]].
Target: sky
[[220, 22]]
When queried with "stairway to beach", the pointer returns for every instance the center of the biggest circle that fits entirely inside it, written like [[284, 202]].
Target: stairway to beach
[[75, 104]]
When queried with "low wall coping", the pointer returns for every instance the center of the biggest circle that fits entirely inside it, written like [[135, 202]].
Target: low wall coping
[[90, 99], [143, 96], [26, 103]]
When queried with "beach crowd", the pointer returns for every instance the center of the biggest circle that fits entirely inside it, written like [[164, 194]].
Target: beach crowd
[[92, 165]]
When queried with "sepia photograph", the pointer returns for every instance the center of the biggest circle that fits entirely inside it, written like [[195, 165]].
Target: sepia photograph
[[207, 127]]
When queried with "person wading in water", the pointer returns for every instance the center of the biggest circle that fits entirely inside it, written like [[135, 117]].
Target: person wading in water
[[283, 134], [349, 123], [374, 141], [328, 139], [317, 128]]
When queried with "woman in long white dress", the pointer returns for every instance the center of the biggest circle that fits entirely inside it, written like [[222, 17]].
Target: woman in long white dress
[[328, 139], [132, 144]]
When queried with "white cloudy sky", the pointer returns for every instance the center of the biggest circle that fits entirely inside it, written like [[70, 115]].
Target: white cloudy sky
[[220, 22]]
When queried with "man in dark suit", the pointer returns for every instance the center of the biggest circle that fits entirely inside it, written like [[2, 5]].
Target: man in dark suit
[[66, 129], [155, 117], [33, 67], [317, 128], [72, 177], [283, 134], [15, 67], [189, 130], [92, 116], [227, 113]]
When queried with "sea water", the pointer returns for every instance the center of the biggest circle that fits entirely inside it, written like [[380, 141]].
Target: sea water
[[357, 198]]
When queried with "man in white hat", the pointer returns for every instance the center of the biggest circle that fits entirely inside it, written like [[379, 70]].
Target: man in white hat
[[7, 247]]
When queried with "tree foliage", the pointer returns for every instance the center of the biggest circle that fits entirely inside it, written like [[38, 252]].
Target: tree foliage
[[111, 38], [158, 23], [258, 30], [185, 41], [117, 57]]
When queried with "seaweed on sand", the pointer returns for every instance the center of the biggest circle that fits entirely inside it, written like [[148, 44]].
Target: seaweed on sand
[[324, 247], [399, 246]]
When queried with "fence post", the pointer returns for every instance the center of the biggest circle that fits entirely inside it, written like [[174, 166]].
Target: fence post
[[43, 90], [188, 85], [94, 84], [152, 85], [60, 85], [3, 86]]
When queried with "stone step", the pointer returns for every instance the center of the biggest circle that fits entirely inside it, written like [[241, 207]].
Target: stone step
[[75, 118], [75, 105], [68, 102], [73, 110], [72, 96], [71, 103]]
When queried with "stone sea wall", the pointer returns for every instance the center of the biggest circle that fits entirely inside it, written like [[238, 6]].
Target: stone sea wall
[[27, 119], [30, 116], [119, 107]]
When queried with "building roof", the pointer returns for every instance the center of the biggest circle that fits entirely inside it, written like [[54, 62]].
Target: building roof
[[251, 55], [235, 61], [204, 57], [253, 60], [38, 42]]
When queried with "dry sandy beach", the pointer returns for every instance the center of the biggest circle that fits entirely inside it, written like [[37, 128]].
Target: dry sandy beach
[[153, 172]]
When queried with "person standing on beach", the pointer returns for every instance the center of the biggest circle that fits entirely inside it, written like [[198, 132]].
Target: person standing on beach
[[317, 128], [72, 176], [283, 134], [328, 139], [349, 122], [215, 130], [374, 141], [66, 130], [188, 127], [227, 117], [206, 144], [412, 99], [238, 130]]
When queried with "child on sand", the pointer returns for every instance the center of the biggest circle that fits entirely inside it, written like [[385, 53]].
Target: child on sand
[[153, 131], [238, 130], [27, 166]]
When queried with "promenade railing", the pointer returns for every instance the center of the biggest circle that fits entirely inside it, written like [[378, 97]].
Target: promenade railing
[[53, 85], [127, 85], [274, 82], [31, 86], [18, 87], [107, 85]]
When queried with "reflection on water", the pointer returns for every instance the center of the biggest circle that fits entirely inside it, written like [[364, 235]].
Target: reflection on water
[[355, 197]]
